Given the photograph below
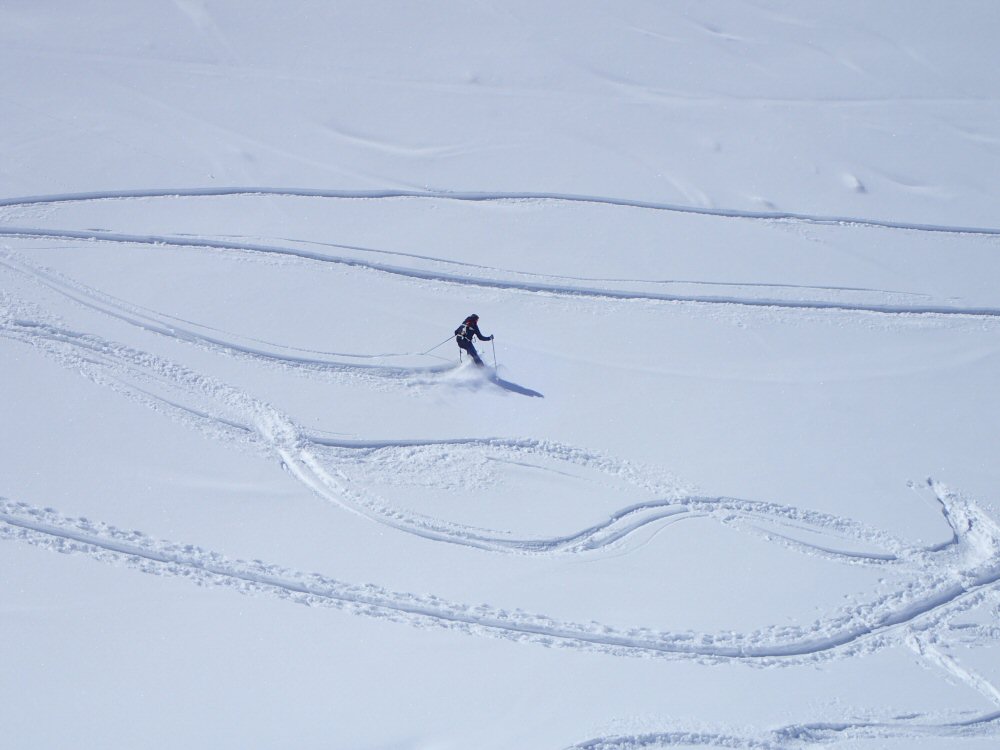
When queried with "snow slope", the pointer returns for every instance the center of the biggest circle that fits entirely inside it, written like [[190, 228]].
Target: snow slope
[[732, 481]]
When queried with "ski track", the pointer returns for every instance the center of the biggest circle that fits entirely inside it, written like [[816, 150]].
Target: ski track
[[525, 283], [209, 338], [852, 632], [932, 585], [807, 735], [926, 606], [322, 463], [488, 197], [936, 583], [319, 462], [488, 283], [589, 279]]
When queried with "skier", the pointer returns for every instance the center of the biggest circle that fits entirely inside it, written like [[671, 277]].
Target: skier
[[464, 334]]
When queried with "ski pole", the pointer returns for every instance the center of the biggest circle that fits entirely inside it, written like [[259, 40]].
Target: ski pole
[[441, 344], [493, 344]]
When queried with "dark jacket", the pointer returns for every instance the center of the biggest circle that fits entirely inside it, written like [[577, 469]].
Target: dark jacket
[[467, 330]]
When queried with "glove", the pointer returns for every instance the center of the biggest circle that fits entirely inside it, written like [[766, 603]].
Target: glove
[[491, 337]]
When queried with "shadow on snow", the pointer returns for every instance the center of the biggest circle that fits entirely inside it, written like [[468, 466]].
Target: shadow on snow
[[514, 387]]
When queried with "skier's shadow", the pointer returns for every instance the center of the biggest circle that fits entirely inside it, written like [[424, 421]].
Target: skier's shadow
[[514, 387]]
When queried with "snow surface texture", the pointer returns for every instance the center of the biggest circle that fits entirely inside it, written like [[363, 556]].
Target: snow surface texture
[[730, 479]]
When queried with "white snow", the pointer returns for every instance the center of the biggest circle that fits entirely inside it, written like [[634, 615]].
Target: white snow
[[733, 481]]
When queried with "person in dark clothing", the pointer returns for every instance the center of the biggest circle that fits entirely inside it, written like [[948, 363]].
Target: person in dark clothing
[[464, 335]]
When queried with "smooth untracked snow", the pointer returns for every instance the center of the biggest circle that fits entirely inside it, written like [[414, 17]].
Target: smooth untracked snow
[[730, 477]]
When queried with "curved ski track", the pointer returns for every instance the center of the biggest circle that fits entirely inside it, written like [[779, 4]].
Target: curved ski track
[[932, 585], [804, 735], [486, 197], [939, 582], [488, 283], [969, 572], [211, 339], [321, 463], [556, 287]]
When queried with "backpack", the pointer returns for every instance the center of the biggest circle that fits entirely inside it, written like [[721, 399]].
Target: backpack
[[465, 330]]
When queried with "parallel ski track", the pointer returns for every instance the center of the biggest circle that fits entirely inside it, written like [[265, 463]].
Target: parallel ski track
[[939, 581], [558, 289], [487, 283], [942, 581], [882, 622], [211, 339], [320, 463]]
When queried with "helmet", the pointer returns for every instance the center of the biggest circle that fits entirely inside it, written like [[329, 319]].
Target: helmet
[[474, 316]]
